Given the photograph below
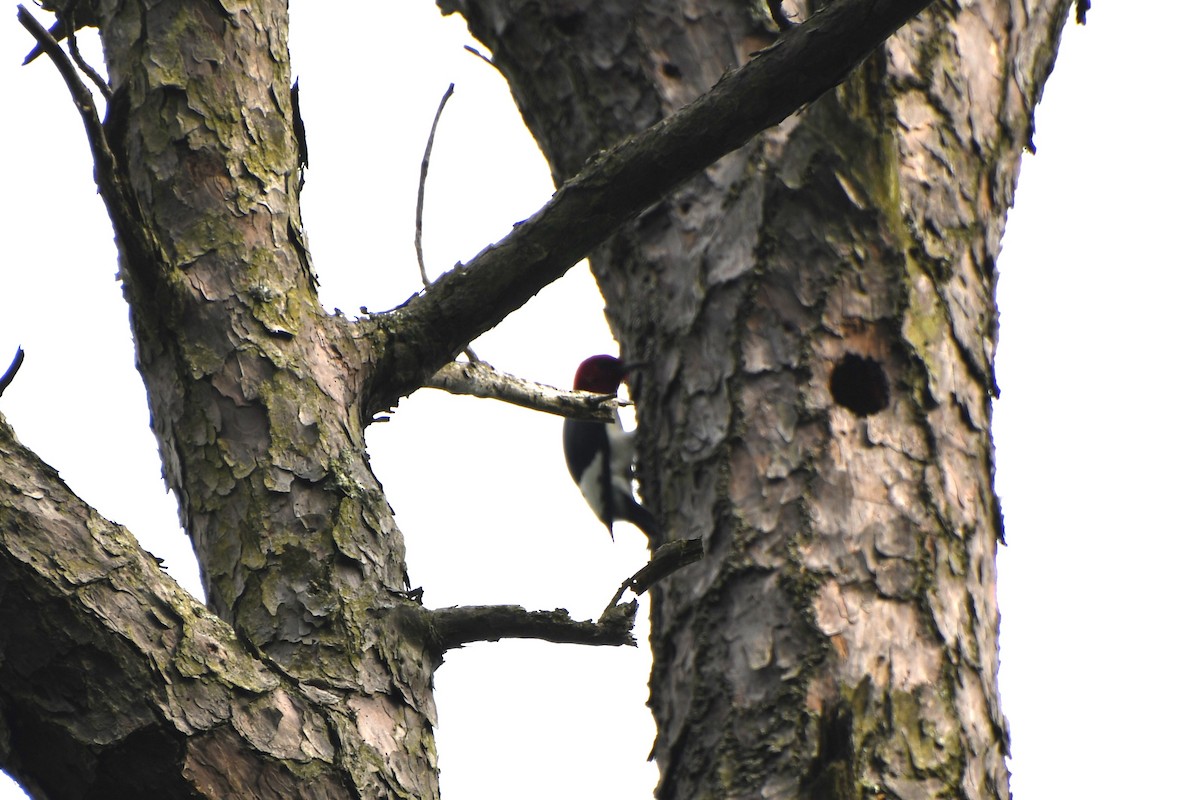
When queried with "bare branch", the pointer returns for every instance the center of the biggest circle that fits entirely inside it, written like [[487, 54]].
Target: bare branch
[[666, 560], [417, 239], [475, 52], [415, 340], [11, 372], [457, 625], [84, 67], [111, 186], [79, 93], [421, 186], [480, 379], [79, 589]]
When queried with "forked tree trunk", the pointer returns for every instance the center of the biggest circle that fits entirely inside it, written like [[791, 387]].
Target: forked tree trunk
[[818, 310]]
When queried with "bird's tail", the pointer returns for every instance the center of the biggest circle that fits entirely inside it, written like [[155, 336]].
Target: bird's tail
[[637, 514]]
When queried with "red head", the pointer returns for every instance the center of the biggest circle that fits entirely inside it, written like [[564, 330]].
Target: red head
[[601, 374]]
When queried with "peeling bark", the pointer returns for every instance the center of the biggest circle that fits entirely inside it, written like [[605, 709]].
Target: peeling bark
[[117, 683], [255, 397]]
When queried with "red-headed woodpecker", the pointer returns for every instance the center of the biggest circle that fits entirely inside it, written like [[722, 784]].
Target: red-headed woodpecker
[[600, 454]]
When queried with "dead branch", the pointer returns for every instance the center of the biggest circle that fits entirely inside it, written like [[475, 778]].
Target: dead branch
[[458, 625], [417, 240], [480, 379], [84, 67], [475, 52], [11, 372], [421, 185], [666, 560], [109, 181]]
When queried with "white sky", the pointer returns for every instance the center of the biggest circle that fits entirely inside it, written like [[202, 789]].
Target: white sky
[[1095, 436]]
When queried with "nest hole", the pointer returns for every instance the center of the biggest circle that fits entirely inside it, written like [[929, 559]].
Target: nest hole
[[859, 384]]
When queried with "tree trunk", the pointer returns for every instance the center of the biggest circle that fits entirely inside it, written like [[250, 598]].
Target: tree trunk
[[818, 312], [256, 400]]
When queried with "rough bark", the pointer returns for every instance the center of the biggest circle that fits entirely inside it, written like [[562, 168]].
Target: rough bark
[[253, 388], [312, 675], [117, 683], [818, 309], [254, 394]]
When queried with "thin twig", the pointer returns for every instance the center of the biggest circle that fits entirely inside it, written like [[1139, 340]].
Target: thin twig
[[421, 200], [666, 560], [114, 189], [84, 102], [475, 52], [85, 68], [421, 186], [11, 372]]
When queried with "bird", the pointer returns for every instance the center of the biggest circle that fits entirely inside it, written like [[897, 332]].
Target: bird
[[600, 454]]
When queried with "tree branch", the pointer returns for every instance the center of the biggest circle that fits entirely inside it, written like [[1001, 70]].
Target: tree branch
[[11, 372], [456, 626], [667, 560], [420, 224], [84, 67], [480, 379], [415, 340], [79, 92], [418, 242], [110, 184], [77, 593]]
